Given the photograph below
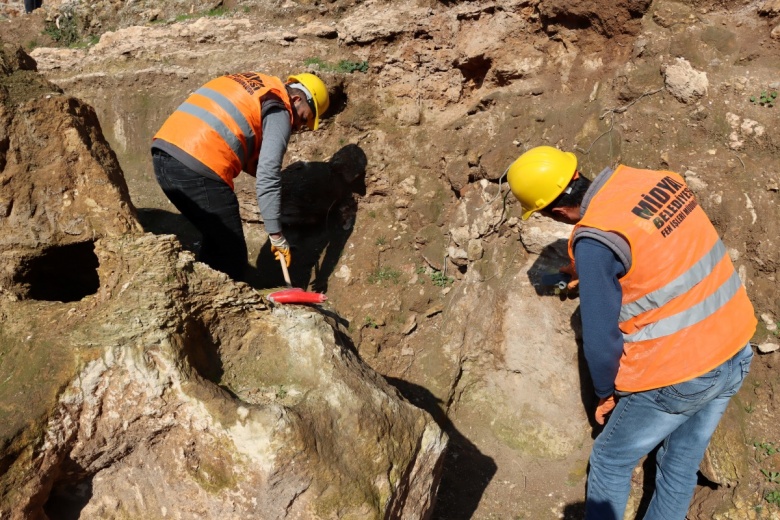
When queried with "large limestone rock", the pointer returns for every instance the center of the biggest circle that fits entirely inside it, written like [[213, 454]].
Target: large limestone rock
[[175, 390], [153, 386], [62, 187]]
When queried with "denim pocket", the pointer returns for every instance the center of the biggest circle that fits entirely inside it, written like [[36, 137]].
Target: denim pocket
[[187, 191], [688, 395], [696, 387], [745, 363]]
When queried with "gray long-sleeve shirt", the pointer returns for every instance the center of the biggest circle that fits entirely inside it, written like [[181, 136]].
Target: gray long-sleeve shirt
[[268, 184]]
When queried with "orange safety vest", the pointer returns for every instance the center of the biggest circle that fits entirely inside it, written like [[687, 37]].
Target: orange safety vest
[[684, 309], [221, 125]]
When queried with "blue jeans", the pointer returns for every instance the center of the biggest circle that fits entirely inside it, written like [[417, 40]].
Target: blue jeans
[[212, 207], [681, 418]]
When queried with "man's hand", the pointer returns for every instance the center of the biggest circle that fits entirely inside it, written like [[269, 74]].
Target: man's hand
[[604, 408], [571, 271], [280, 246]]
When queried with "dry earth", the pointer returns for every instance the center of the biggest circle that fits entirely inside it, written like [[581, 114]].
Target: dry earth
[[417, 249]]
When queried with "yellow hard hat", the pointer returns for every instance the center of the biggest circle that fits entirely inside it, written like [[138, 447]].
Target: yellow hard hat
[[538, 176], [319, 94]]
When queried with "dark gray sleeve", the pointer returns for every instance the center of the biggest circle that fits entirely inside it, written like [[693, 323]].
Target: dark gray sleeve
[[614, 241], [601, 296], [268, 184]]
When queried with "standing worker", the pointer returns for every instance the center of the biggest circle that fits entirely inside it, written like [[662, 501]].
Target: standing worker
[[234, 123], [665, 319]]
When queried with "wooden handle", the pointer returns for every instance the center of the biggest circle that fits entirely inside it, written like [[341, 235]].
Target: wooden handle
[[284, 270]]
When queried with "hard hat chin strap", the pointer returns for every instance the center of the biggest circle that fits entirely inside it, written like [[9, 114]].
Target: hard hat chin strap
[[306, 93], [570, 186]]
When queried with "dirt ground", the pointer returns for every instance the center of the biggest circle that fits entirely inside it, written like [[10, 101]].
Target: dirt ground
[[452, 93]]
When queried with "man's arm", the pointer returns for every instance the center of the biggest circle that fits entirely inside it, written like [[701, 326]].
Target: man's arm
[[600, 300], [268, 185]]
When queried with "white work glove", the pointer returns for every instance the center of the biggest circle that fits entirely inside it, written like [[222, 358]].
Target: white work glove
[[280, 246]]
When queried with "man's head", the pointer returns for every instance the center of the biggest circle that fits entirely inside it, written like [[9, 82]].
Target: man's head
[[545, 179], [309, 98]]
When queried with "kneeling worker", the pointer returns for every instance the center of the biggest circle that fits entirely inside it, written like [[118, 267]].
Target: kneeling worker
[[234, 123], [666, 320]]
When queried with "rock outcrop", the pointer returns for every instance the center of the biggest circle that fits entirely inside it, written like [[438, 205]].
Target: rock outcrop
[[62, 186], [138, 383]]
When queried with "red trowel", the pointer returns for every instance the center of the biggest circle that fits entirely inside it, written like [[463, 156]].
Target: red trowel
[[294, 294]]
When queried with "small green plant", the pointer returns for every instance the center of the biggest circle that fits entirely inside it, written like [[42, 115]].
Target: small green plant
[[64, 30], [343, 66], [773, 497], [440, 279], [749, 408], [766, 448], [372, 213], [352, 66], [765, 98], [212, 13], [381, 240], [773, 477], [370, 323], [217, 11], [385, 274], [281, 392]]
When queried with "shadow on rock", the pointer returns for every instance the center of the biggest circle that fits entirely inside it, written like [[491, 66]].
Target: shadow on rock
[[550, 260], [318, 216], [576, 511], [467, 471], [67, 499], [162, 222], [544, 274], [587, 392]]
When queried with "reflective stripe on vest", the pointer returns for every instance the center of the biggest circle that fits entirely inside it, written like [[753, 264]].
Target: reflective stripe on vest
[[676, 287], [239, 118], [695, 314], [220, 125]]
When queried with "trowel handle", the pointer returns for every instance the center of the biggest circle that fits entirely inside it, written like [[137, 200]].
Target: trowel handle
[[284, 270]]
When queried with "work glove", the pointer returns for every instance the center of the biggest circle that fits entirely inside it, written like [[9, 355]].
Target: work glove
[[281, 248], [571, 271], [604, 408]]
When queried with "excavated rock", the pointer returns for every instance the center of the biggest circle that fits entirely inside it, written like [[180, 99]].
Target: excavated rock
[[152, 385], [684, 82]]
